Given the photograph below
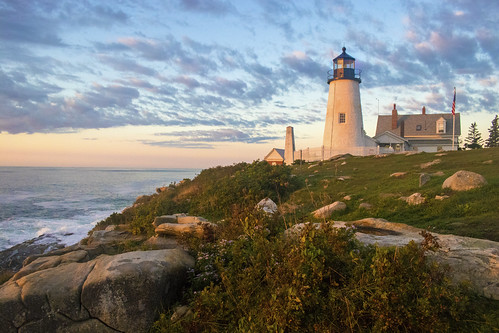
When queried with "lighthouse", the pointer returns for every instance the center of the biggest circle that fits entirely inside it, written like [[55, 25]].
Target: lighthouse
[[344, 129]]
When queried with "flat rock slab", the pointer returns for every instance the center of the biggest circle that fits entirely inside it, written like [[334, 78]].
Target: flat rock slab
[[326, 211], [429, 164], [470, 259], [199, 229], [398, 174]]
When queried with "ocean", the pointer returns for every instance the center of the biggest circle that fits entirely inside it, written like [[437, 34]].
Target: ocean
[[68, 202]]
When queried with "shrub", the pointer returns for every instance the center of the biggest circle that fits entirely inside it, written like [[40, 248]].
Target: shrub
[[250, 183], [321, 280]]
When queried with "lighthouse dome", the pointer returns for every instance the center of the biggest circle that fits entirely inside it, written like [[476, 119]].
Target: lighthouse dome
[[343, 68]]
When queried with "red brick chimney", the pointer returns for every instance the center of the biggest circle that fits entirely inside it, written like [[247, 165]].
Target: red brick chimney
[[394, 117], [424, 110]]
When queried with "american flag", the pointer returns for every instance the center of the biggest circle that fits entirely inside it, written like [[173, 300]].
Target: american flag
[[454, 103]]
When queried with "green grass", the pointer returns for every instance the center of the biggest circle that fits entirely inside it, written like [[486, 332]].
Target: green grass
[[472, 213]]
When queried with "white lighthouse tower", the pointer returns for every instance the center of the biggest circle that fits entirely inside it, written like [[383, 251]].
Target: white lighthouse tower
[[344, 129]]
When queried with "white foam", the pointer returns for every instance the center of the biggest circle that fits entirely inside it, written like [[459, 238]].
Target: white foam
[[42, 231]]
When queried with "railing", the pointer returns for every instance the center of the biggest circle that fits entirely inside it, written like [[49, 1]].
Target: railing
[[322, 153], [343, 73]]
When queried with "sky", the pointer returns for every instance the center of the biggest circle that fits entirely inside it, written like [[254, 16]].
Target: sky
[[200, 83]]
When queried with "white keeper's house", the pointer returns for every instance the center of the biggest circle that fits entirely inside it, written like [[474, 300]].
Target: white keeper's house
[[417, 132]]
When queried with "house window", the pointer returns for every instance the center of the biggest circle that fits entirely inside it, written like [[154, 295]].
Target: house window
[[342, 118], [418, 127], [441, 126]]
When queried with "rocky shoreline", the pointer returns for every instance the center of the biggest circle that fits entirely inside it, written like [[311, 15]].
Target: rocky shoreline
[[115, 281]]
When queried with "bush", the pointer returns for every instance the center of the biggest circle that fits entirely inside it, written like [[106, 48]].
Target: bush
[[237, 192], [321, 280]]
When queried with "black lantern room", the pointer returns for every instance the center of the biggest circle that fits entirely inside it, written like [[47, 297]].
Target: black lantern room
[[343, 68]]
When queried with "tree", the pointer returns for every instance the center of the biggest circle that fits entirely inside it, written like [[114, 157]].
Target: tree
[[474, 139], [493, 140]]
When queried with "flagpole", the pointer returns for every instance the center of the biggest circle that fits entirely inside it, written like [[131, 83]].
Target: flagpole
[[453, 117]]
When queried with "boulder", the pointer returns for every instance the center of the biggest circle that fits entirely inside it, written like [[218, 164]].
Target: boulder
[[473, 260], [126, 290], [326, 211], [464, 181], [190, 219], [107, 237], [267, 205], [441, 197], [423, 179], [107, 294], [199, 229], [161, 189], [166, 219], [181, 312], [365, 205], [160, 243], [414, 199], [429, 164]]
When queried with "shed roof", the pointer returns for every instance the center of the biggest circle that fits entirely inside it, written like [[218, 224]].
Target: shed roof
[[275, 154]]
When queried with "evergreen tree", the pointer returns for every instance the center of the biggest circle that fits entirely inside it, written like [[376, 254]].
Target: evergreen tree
[[474, 139], [493, 140]]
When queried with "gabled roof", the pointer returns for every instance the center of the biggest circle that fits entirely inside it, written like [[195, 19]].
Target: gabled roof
[[277, 153], [390, 134], [428, 123]]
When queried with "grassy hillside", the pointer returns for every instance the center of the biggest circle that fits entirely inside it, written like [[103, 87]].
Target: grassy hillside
[[249, 278], [472, 213], [232, 191]]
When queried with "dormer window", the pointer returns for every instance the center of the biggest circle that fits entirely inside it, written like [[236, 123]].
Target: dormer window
[[441, 126], [418, 127]]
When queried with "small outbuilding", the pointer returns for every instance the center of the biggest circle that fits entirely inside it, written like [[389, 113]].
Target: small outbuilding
[[275, 157]]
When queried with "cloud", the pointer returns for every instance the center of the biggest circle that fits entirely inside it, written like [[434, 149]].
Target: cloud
[[303, 64], [149, 49], [127, 65], [188, 81], [19, 22], [178, 144], [103, 106], [215, 7], [219, 135], [68, 66], [41, 22], [206, 139]]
